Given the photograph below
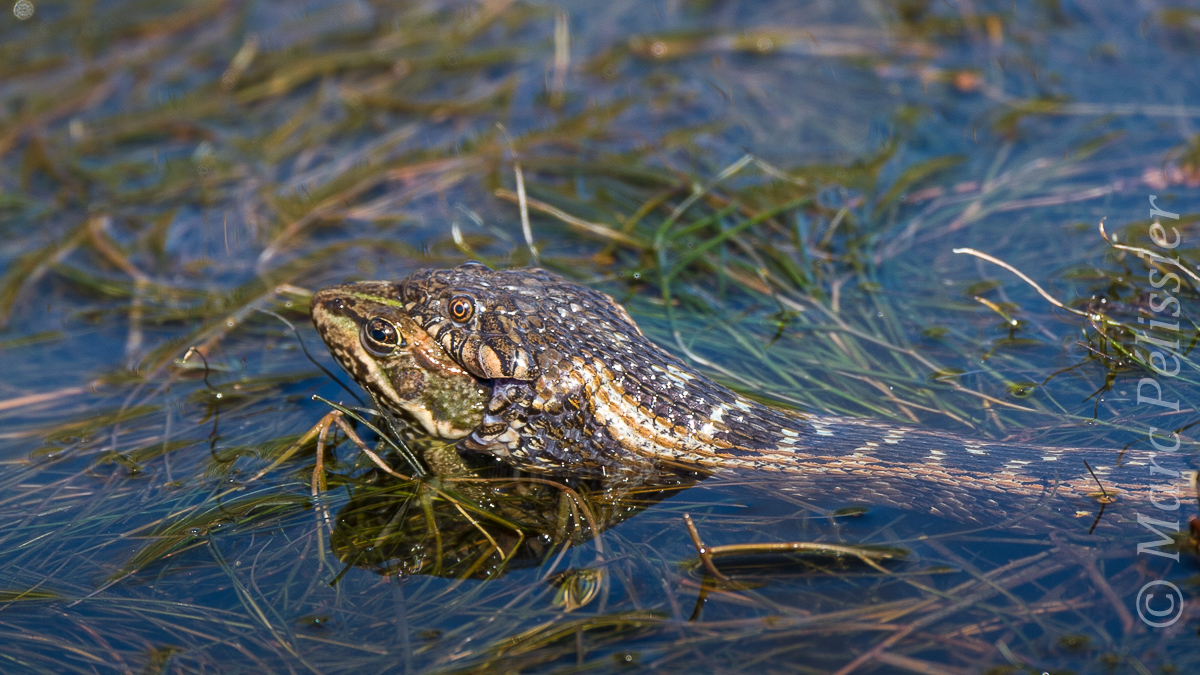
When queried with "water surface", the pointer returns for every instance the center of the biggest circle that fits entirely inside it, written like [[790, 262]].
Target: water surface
[[774, 189]]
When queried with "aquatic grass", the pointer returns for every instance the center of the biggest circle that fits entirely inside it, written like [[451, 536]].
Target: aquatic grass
[[863, 361], [868, 356], [195, 171], [697, 251], [244, 512]]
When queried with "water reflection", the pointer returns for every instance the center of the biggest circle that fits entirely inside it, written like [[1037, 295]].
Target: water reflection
[[481, 523]]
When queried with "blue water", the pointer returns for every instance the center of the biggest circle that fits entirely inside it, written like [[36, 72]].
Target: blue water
[[113, 113]]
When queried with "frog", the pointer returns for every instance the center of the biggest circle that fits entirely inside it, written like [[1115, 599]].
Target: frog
[[406, 372]]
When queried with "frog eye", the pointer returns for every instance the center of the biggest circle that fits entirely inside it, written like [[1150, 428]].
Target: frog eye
[[461, 308], [380, 337]]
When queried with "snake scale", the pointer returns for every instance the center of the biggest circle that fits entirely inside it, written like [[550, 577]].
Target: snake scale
[[551, 375]]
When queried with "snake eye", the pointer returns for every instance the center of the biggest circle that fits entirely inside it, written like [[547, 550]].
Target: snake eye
[[461, 308], [380, 337]]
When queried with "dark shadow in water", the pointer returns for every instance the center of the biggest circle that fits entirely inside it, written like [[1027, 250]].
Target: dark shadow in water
[[484, 525]]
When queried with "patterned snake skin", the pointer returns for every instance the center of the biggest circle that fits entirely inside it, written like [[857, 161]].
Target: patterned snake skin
[[575, 384]]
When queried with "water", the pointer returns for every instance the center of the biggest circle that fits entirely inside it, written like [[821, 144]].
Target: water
[[168, 169]]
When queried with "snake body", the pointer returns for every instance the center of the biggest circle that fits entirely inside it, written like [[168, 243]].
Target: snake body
[[575, 386]]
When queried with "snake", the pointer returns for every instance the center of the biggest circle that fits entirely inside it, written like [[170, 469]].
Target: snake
[[550, 375]]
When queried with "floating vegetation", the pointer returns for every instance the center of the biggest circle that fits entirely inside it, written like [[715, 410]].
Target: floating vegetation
[[774, 192]]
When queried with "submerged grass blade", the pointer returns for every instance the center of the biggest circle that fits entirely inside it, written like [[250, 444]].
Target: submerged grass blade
[[195, 530]]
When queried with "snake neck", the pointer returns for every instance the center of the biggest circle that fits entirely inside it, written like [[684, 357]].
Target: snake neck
[[576, 385], [832, 461]]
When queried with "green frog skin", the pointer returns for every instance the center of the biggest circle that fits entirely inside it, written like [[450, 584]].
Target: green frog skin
[[388, 354], [557, 377]]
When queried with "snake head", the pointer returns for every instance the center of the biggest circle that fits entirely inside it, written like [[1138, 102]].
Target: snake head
[[516, 324], [477, 318]]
